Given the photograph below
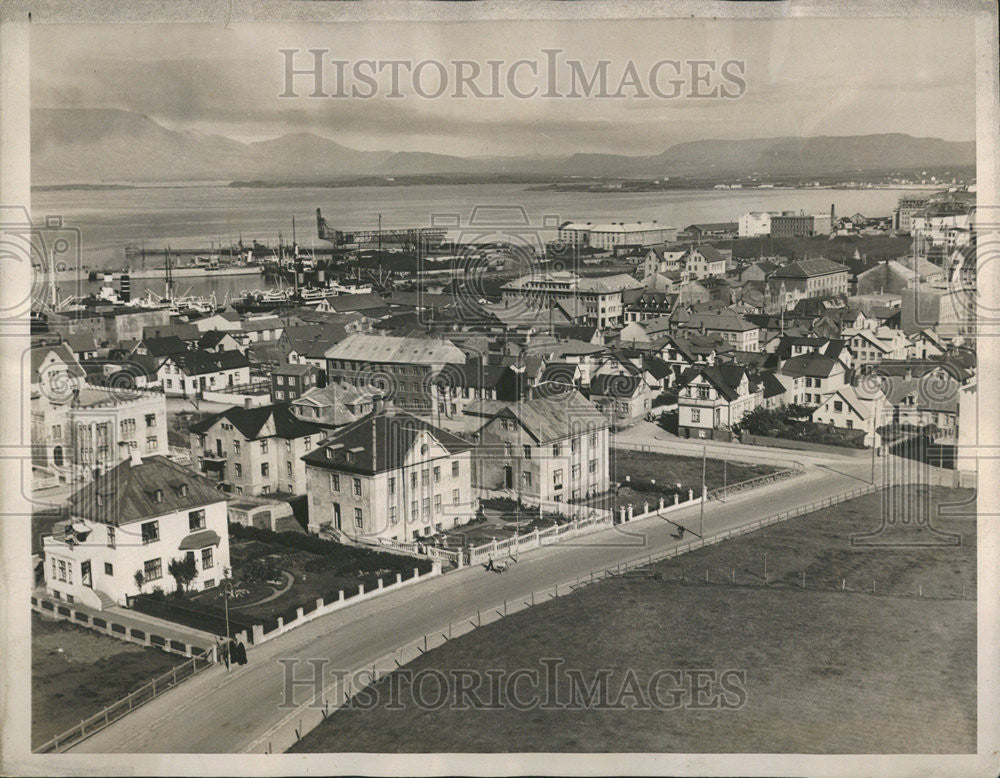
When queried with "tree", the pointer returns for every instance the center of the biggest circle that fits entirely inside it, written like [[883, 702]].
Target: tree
[[140, 579], [183, 570]]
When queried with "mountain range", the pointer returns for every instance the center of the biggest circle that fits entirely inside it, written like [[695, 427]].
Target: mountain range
[[94, 146]]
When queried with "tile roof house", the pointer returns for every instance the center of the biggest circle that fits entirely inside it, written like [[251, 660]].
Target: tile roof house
[[126, 527], [192, 372], [713, 398]]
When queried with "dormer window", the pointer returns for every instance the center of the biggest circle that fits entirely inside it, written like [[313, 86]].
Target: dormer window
[[100, 500], [329, 453], [184, 490], [158, 495]]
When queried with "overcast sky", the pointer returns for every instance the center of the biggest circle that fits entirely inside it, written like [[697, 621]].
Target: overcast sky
[[802, 77]]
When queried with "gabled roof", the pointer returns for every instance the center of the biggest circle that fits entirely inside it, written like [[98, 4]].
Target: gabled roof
[[250, 422], [379, 442], [313, 340], [390, 349], [811, 365], [62, 352], [547, 419], [621, 385], [165, 346], [808, 268], [213, 338], [725, 378], [182, 331], [202, 362], [710, 253], [770, 384], [128, 492], [80, 342], [293, 369]]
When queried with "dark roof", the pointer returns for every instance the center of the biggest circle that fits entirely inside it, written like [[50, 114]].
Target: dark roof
[[477, 375], [293, 368], [576, 332], [63, 352], [725, 378], [378, 442], [548, 418], [202, 362], [182, 331], [164, 346], [212, 338], [250, 422], [128, 492], [80, 341], [807, 268], [620, 385], [771, 385], [710, 253], [813, 365]]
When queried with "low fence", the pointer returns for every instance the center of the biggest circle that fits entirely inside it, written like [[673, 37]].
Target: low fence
[[722, 492], [129, 703], [106, 625], [307, 613], [312, 712], [202, 620], [596, 520]]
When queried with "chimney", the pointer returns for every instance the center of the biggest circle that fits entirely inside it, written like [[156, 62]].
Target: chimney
[[136, 457]]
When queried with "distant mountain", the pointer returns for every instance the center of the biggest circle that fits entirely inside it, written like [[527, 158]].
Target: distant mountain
[[93, 146]]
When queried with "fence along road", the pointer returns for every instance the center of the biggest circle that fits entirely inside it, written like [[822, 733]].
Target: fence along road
[[215, 712]]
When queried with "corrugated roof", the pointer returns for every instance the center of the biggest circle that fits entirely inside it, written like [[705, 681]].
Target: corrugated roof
[[390, 349], [552, 418], [808, 268], [250, 422]]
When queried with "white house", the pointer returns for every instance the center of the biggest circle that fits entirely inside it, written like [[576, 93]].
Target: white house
[[712, 399], [125, 528], [852, 409]]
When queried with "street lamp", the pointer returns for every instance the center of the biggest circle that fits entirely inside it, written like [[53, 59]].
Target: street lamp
[[704, 463], [227, 591]]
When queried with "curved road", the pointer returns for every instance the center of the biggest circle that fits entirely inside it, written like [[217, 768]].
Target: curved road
[[220, 712]]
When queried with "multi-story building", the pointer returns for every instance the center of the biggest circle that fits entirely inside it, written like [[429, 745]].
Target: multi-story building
[[291, 381], [872, 346], [544, 449], [94, 427], [661, 260], [908, 206], [575, 233], [255, 451], [755, 224], [401, 369], [610, 236], [792, 225], [728, 325], [712, 399], [390, 475], [853, 408], [804, 278], [601, 297], [704, 262], [810, 378], [334, 405], [128, 525]]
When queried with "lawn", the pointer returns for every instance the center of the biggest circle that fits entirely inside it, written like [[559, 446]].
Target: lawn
[[318, 568], [822, 670], [90, 672]]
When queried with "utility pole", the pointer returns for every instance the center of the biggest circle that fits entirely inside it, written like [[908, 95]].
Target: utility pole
[[704, 463]]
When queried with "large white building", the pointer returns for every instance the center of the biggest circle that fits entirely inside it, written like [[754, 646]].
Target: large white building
[[600, 297], [126, 527], [612, 234], [755, 224]]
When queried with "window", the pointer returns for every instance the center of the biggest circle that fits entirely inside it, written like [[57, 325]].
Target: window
[[109, 569], [392, 515], [265, 490], [555, 449], [307, 442], [809, 382], [196, 519], [527, 452], [695, 415], [557, 479], [425, 477], [573, 445], [819, 383], [702, 392], [525, 478], [454, 469], [288, 469], [238, 470], [151, 443], [850, 424], [112, 542], [413, 480], [838, 406], [57, 432], [334, 482], [593, 439], [150, 532], [206, 559], [455, 497], [209, 583], [508, 449], [437, 474], [263, 447], [265, 468], [150, 420], [236, 447], [392, 485], [592, 466], [576, 472], [425, 507], [152, 569], [413, 509], [288, 445], [357, 486], [437, 503]]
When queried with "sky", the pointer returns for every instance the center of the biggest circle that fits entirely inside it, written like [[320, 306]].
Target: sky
[[788, 77]]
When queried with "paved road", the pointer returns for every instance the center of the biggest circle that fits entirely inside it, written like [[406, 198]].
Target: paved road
[[217, 712]]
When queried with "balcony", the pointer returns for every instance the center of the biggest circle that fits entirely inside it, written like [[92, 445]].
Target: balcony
[[214, 456]]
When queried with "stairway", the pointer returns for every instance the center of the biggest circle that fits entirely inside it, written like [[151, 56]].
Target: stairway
[[106, 602]]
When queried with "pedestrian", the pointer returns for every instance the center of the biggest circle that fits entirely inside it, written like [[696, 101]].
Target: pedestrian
[[223, 651], [489, 563], [241, 651]]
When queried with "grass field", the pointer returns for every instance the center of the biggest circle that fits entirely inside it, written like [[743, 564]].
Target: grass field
[[825, 670], [90, 672]]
